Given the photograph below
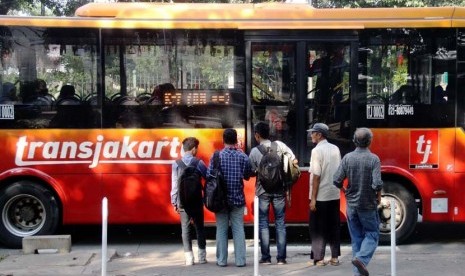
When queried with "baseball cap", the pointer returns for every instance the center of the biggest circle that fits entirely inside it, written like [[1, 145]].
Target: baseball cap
[[321, 128]]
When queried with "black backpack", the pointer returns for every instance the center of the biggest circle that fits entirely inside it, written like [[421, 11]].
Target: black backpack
[[270, 170], [189, 186], [216, 195]]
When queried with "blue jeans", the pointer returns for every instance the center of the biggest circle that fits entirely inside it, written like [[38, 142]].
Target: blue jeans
[[235, 215], [186, 229], [279, 208], [364, 234]]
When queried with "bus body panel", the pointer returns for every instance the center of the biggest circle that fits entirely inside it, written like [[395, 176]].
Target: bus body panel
[[275, 66], [424, 157]]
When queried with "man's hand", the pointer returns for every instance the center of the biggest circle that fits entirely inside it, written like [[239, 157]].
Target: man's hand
[[176, 209], [313, 205]]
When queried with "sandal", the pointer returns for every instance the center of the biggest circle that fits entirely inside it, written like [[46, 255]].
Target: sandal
[[320, 263], [334, 262]]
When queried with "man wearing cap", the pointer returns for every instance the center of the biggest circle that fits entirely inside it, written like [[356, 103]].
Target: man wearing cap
[[324, 221]]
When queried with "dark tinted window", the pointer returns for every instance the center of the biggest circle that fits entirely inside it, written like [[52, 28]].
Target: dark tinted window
[[173, 78], [406, 78]]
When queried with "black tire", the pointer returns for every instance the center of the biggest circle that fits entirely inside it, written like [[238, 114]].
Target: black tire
[[406, 213], [27, 209]]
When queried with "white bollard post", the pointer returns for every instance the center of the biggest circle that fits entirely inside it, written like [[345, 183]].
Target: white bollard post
[[393, 238], [255, 237], [104, 235]]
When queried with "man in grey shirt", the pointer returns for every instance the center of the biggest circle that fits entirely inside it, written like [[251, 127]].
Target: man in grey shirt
[[363, 194], [277, 199]]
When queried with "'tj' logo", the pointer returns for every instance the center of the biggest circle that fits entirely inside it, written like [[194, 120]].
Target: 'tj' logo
[[424, 147]]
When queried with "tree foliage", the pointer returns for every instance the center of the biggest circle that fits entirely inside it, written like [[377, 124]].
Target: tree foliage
[[33, 7], [385, 3]]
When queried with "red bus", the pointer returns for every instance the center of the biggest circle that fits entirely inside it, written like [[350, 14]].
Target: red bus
[[397, 71]]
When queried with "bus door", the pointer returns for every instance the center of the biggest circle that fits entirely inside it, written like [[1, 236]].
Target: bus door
[[296, 84], [327, 94], [293, 85]]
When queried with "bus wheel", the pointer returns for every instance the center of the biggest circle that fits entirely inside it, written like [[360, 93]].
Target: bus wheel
[[406, 212], [27, 209]]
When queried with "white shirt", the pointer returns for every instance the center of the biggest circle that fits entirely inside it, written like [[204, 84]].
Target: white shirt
[[324, 162]]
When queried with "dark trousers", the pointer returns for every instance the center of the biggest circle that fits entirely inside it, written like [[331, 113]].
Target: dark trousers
[[325, 227]]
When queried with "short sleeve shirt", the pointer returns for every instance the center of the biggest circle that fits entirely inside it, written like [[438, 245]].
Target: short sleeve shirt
[[324, 161]]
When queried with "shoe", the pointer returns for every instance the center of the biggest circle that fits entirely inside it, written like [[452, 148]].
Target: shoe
[[361, 267], [267, 262], [320, 263], [282, 262], [221, 265], [189, 257], [202, 256], [243, 265], [334, 261]]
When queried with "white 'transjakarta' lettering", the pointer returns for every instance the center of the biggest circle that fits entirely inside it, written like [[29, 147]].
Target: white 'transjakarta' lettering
[[94, 153]]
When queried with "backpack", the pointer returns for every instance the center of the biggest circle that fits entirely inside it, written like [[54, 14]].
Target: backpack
[[292, 174], [270, 170], [215, 191], [189, 186]]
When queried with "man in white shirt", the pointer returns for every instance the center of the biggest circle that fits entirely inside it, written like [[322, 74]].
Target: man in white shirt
[[324, 221]]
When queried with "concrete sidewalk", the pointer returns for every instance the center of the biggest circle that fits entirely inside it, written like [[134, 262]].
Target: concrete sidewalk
[[167, 259]]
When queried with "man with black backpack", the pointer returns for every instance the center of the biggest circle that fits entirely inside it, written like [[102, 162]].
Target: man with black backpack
[[186, 197], [267, 160]]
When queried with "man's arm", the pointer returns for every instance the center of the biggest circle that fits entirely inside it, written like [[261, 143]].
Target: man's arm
[[377, 184], [339, 176], [202, 168], [315, 188], [254, 158], [247, 168], [174, 186]]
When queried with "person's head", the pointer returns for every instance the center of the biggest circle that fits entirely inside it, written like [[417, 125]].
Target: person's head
[[9, 91], [167, 87], [318, 132], [363, 137], [230, 136], [190, 144], [261, 130], [41, 87], [67, 91], [27, 91]]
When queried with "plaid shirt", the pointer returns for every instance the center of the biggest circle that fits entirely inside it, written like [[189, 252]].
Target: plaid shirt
[[363, 170], [235, 166]]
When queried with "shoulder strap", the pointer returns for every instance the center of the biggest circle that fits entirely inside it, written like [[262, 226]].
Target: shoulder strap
[[180, 169], [216, 160], [181, 164], [262, 149], [194, 162]]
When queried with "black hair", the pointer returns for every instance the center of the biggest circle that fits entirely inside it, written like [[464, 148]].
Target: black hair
[[263, 129], [189, 143], [230, 136]]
